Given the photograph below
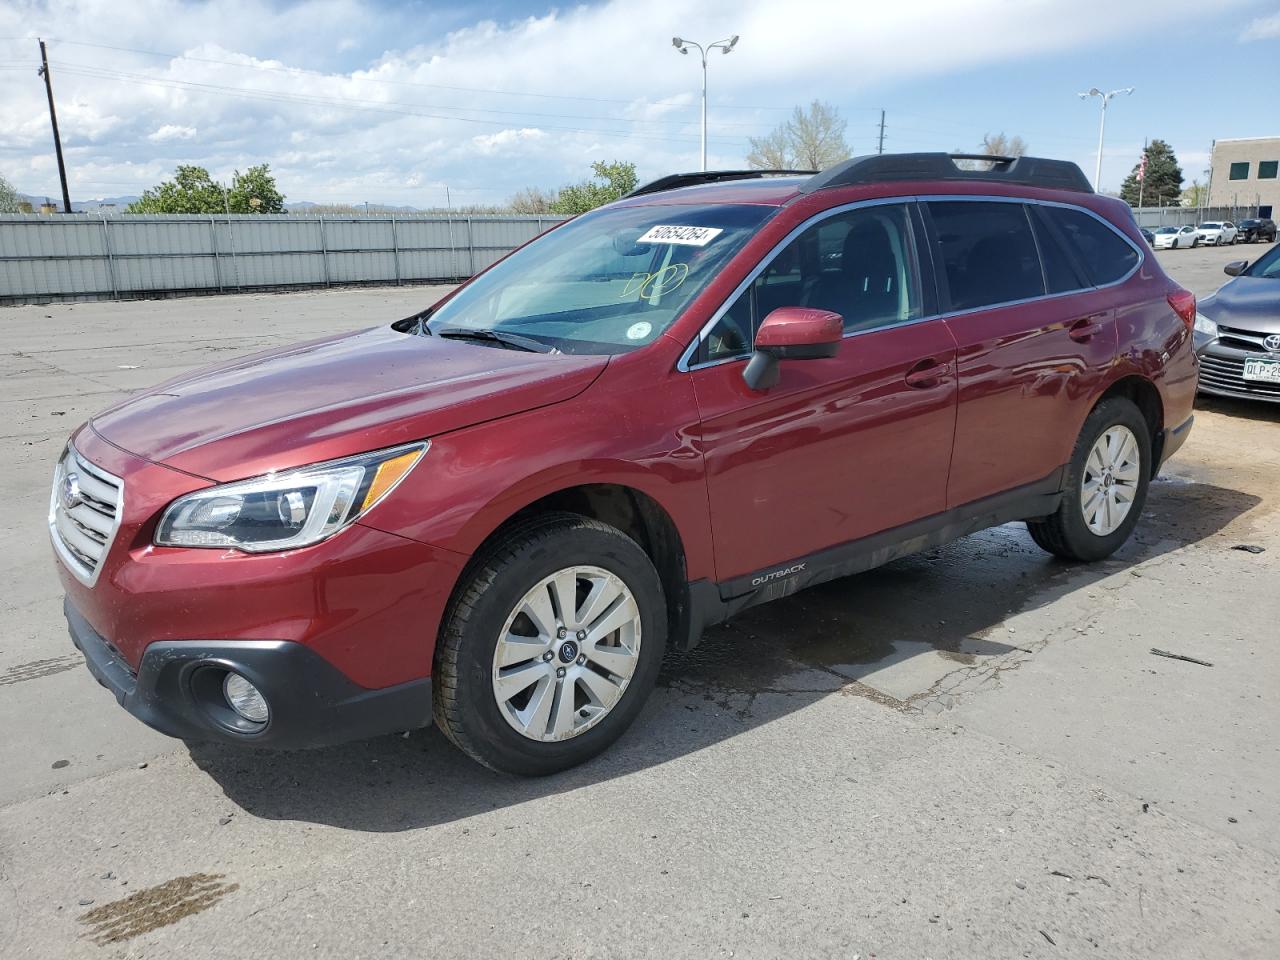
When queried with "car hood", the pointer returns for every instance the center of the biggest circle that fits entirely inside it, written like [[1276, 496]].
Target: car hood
[[334, 397], [1248, 303]]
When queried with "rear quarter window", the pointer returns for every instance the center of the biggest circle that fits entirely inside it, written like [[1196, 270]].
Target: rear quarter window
[[1104, 254]]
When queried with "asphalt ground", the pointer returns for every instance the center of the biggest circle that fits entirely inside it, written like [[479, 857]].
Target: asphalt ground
[[971, 752]]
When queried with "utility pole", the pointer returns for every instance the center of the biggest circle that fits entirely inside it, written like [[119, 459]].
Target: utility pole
[[53, 118], [880, 149]]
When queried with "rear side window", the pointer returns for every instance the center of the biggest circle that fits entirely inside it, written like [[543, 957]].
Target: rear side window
[[1101, 251], [1061, 273], [987, 252]]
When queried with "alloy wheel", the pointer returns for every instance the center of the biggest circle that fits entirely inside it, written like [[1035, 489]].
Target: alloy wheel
[[1110, 482], [566, 653]]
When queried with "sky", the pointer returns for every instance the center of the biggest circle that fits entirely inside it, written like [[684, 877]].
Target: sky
[[355, 101]]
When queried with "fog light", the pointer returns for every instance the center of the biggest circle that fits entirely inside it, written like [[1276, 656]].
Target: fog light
[[245, 699]]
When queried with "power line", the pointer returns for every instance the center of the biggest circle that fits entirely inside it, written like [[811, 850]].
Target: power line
[[296, 71], [74, 67], [345, 103]]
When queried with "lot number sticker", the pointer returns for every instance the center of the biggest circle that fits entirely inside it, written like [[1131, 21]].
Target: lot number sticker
[[684, 236]]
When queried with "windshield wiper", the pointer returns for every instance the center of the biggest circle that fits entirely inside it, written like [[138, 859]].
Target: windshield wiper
[[512, 341]]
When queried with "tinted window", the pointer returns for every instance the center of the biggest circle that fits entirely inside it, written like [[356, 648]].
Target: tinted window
[[987, 252], [1239, 171], [857, 264], [1267, 169], [1060, 272], [1106, 257]]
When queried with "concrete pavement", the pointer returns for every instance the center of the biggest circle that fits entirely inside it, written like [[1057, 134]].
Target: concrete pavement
[[971, 752]]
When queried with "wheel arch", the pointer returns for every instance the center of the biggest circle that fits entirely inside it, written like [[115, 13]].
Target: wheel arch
[[624, 505], [1144, 395]]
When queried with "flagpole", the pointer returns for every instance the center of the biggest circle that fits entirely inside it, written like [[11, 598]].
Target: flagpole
[[1142, 173]]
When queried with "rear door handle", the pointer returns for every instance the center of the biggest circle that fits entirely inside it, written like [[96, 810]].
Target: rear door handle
[[927, 373], [1084, 330]]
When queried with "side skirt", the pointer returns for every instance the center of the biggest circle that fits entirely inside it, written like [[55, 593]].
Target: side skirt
[[712, 603]]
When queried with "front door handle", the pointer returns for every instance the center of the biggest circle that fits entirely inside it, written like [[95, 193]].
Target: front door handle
[[1084, 330], [927, 373]]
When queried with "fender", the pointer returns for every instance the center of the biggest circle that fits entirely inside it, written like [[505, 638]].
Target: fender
[[475, 479]]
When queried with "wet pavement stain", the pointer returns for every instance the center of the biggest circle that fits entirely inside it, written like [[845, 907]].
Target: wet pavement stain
[[952, 600], [40, 668], [155, 907]]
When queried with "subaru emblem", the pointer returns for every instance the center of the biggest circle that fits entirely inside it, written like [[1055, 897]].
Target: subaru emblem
[[69, 492], [1272, 343]]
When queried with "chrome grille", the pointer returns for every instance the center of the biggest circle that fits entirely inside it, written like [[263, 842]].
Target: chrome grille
[[84, 514], [1226, 373]]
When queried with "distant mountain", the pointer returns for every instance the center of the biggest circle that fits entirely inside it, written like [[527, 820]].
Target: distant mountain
[[118, 204], [80, 206]]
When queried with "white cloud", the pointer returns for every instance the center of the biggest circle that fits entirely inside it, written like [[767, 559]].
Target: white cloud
[[1262, 28], [171, 131], [413, 101], [491, 143]]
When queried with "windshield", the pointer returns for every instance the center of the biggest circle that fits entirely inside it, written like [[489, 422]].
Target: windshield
[[1267, 266], [608, 282], [1210, 226], [1167, 230]]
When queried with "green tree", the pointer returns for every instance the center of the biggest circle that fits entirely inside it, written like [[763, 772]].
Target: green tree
[[255, 191], [192, 190], [812, 139], [8, 197], [1163, 184], [611, 182]]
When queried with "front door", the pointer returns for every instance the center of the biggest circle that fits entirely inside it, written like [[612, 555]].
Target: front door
[[842, 447]]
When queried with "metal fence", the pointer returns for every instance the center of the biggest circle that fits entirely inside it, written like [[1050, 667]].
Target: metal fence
[[85, 256], [1152, 217]]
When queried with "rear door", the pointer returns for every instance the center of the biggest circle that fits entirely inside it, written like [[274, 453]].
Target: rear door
[[1033, 340], [842, 447]]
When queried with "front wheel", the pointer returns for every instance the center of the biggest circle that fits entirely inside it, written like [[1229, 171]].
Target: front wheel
[[1105, 486], [551, 646]]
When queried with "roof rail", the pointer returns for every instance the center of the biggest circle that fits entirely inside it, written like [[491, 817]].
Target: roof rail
[[881, 168], [676, 180]]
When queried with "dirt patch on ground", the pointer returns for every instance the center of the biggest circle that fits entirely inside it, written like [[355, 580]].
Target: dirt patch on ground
[[155, 907]]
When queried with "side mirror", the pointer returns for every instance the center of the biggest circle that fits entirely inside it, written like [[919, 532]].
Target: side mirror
[[1235, 268], [792, 333]]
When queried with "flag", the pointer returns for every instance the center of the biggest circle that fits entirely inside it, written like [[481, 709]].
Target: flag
[[1142, 168]]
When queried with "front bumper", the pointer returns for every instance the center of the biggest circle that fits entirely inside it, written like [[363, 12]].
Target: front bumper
[[1222, 374], [177, 690]]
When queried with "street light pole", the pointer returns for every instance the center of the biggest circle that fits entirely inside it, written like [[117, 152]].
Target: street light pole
[[1102, 126], [724, 46]]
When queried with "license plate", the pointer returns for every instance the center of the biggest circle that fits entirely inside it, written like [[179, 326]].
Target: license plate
[[1262, 369]]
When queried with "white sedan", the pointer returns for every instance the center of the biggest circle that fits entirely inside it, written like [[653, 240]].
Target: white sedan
[[1217, 232], [1171, 238]]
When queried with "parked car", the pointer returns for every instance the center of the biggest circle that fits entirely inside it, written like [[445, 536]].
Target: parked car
[[1237, 332], [1217, 232], [1148, 236], [1171, 238], [1257, 229], [500, 511]]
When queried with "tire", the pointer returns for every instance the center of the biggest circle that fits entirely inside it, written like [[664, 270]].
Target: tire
[[486, 608], [1066, 532]]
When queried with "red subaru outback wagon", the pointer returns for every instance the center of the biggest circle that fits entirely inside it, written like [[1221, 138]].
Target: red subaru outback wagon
[[715, 392]]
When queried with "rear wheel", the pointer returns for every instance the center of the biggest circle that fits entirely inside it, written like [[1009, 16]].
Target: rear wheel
[[1105, 487], [552, 646]]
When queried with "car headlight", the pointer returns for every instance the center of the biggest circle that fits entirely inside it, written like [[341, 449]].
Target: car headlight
[[284, 511], [1205, 325]]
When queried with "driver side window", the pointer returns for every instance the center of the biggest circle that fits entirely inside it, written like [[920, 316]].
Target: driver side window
[[857, 264]]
